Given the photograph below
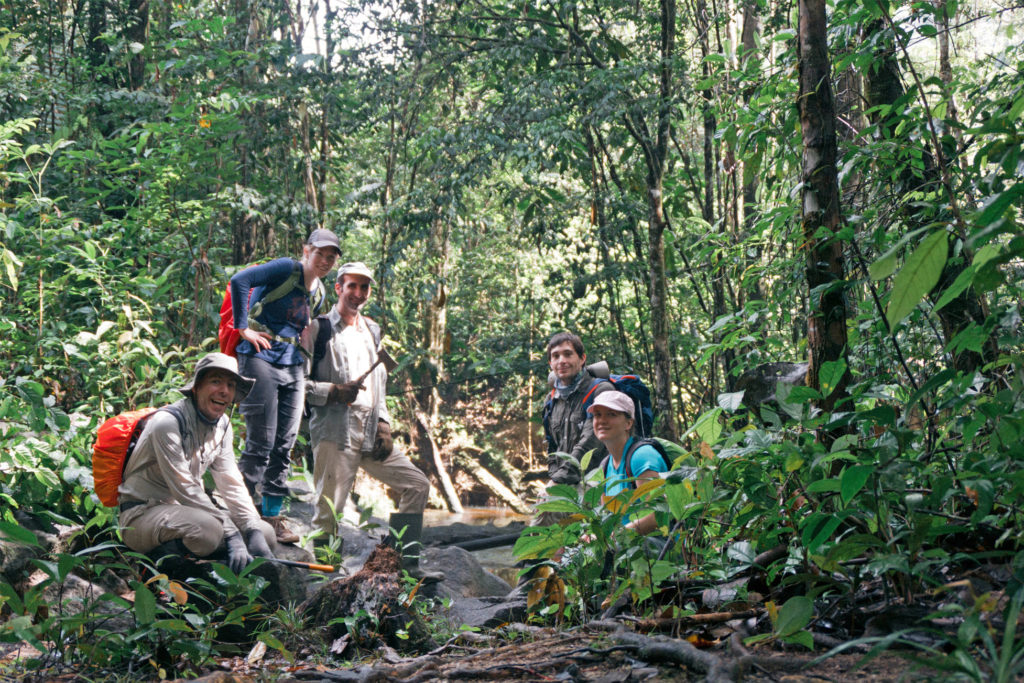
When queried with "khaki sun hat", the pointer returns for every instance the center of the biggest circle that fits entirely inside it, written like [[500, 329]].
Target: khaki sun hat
[[219, 361], [356, 268]]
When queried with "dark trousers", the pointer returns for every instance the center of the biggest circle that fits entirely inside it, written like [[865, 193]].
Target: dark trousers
[[272, 412]]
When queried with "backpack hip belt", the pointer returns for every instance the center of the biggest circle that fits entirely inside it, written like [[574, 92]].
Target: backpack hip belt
[[255, 326]]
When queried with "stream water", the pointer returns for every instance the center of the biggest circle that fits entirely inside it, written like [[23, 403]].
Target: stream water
[[498, 561]]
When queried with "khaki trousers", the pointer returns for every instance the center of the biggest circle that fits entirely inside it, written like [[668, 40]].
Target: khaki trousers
[[334, 471], [147, 526]]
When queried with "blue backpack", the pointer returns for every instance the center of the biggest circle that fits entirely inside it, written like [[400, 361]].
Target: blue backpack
[[631, 385]]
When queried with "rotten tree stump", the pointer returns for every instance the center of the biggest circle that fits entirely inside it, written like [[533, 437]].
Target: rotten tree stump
[[368, 609]]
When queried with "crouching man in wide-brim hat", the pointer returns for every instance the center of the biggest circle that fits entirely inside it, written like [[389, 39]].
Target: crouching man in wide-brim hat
[[164, 509]]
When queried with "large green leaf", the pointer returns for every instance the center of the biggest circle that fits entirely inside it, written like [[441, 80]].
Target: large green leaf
[[707, 427], [996, 205], [731, 401], [18, 534], [145, 604], [884, 266], [830, 374], [679, 496], [817, 528], [962, 282], [794, 615], [966, 277], [917, 277], [853, 480]]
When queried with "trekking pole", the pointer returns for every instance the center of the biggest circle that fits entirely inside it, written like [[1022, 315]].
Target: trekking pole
[[329, 569]]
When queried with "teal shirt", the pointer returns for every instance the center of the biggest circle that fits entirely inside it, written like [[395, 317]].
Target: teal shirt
[[645, 459]]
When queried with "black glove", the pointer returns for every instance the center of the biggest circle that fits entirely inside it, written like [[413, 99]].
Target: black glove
[[563, 469], [343, 393], [238, 556], [257, 544], [383, 444]]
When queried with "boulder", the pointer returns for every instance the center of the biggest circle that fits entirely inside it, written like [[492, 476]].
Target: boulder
[[758, 384], [463, 575], [16, 557]]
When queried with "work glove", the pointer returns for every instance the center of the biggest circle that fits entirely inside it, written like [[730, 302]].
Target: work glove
[[343, 393], [238, 556], [383, 444], [563, 469], [256, 544]]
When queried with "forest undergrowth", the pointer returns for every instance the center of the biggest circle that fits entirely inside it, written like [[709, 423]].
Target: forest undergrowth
[[704, 194]]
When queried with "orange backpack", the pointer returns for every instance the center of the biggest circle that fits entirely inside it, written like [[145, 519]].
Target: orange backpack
[[115, 441]]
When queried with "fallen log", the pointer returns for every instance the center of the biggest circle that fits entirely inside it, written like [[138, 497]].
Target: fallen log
[[664, 624], [432, 454], [485, 543], [490, 482]]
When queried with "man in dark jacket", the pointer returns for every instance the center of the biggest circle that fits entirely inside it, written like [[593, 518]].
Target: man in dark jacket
[[568, 428]]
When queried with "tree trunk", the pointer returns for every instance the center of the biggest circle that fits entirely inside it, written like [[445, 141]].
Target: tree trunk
[[710, 126], [308, 178], [655, 150], [884, 87], [826, 273], [598, 220], [137, 31], [435, 318], [752, 286], [474, 469]]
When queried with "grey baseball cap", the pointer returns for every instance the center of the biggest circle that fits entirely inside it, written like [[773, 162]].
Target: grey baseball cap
[[356, 268], [219, 361], [324, 238]]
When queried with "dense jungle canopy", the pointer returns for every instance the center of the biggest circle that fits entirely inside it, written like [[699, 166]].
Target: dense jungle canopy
[[697, 188]]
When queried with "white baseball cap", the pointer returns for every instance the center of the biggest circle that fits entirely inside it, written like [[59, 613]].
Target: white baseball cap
[[616, 400]]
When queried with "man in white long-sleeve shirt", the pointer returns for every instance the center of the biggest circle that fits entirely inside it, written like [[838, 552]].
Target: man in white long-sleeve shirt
[[164, 508], [349, 424]]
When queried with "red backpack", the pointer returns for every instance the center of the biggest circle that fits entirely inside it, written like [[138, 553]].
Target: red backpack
[[115, 441], [229, 337]]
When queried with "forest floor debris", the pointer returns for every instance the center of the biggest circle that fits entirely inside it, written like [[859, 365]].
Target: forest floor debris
[[522, 653]]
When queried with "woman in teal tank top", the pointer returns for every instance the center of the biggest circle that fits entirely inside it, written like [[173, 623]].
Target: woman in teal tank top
[[613, 413]]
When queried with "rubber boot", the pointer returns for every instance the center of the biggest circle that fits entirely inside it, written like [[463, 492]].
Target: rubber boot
[[412, 522]]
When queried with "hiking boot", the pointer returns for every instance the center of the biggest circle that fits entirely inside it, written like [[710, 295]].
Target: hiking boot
[[281, 530], [175, 560]]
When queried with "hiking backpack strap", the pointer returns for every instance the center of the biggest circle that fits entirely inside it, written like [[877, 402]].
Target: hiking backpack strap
[[323, 336], [589, 397], [546, 420], [281, 290], [374, 332], [637, 443], [179, 417], [324, 332]]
